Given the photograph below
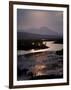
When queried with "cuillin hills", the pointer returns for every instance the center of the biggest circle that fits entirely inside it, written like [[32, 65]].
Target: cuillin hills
[[42, 33]]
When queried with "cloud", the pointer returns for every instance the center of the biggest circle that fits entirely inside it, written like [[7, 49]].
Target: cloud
[[37, 18]]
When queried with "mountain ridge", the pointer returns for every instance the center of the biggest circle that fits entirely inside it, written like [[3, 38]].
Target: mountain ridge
[[42, 33]]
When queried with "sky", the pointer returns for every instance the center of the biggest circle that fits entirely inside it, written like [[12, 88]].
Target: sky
[[36, 19]]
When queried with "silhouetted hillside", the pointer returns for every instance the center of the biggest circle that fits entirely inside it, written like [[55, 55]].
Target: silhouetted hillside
[[42, 33]]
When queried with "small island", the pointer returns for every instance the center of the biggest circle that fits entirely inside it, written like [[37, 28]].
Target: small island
[[31, 44]]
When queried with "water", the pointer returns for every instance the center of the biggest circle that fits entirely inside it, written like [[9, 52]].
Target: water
[[52, 47], [36, 63]]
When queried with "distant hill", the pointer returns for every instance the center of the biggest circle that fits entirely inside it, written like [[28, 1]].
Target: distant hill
[[25, 36], [42, 33]]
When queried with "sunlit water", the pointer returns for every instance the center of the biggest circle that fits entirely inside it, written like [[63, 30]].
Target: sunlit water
[[52, 47], [43, 62]]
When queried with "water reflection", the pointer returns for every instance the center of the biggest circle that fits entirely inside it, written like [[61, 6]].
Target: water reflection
[[52, 47], [38, 69], [43, 62], [39, 64]]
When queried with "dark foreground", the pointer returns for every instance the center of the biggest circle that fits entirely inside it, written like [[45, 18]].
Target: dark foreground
[[44, 65]]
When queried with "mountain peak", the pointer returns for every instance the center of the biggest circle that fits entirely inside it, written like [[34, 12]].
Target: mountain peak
[[41, 31]]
